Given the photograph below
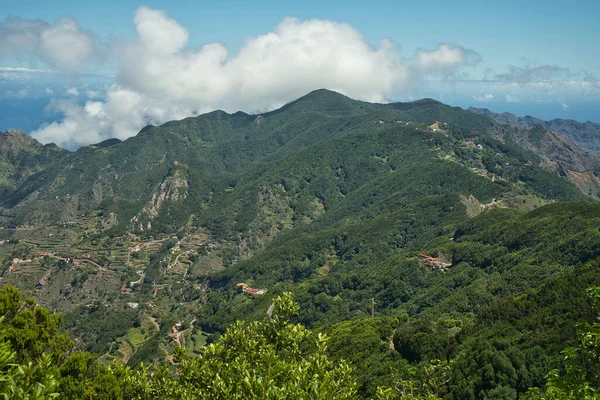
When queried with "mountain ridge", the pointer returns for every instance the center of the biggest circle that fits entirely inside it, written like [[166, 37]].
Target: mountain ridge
[[217, 146], [585, 134]]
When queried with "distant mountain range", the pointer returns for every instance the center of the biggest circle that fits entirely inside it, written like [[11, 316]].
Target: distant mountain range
[[585, 134]]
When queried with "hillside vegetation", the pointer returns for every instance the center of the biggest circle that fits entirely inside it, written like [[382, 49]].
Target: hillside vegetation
[[445, 255]]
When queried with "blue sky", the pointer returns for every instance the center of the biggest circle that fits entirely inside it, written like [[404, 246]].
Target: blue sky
[[528, 57], [549, 32]]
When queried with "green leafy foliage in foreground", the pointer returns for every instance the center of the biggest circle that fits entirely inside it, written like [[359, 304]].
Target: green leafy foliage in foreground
[[423, 383], [272, 359], [30, 348], [25, 381], [276, 359]]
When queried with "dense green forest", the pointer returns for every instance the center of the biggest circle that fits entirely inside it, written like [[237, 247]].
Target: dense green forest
[[445, 256], [493, 326], [517, 287], [275, 358]]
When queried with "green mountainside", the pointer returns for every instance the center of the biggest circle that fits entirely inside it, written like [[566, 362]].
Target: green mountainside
[[454, 232], [22, 156]]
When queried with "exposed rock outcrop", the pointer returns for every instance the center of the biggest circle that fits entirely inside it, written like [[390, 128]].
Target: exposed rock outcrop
[[173, 188]]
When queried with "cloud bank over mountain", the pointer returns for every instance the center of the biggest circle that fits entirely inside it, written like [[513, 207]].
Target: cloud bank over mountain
[[159, 78]]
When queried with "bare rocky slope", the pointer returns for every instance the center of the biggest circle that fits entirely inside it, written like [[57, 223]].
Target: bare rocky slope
[[585, 134]]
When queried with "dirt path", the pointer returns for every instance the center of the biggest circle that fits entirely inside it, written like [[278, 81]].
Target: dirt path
[[85, 260], [177, 258], [142, 276]]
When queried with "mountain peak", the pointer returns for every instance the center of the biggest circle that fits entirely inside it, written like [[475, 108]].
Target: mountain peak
[[15, 140], [15, 134], [324, 93], [325, 101]]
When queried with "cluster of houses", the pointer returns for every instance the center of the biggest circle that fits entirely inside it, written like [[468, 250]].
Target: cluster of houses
[[438, 127], [135, 305], [137, 247], [176, 334], [382, 122], [433, 262], [470, 144], [15, 262], [484, 173], [248, 289], [68, 259]]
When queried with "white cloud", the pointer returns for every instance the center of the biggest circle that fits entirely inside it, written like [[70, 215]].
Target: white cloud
[[49, 92], [445, 59], [551, 92], [161, 79], [31, 70], [121, 115], [159, 33], [533, 74], [297, 57], [20, 34], [484, 97], [63, 45], [564, 106], [91, 94], [73, 91], [547, 80], [66, 46]]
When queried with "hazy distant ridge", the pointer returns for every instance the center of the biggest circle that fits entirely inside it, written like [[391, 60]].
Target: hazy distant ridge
[[585, 134]]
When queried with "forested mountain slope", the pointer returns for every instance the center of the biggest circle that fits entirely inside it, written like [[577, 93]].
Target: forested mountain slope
[[428, 217], [219, 150]]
